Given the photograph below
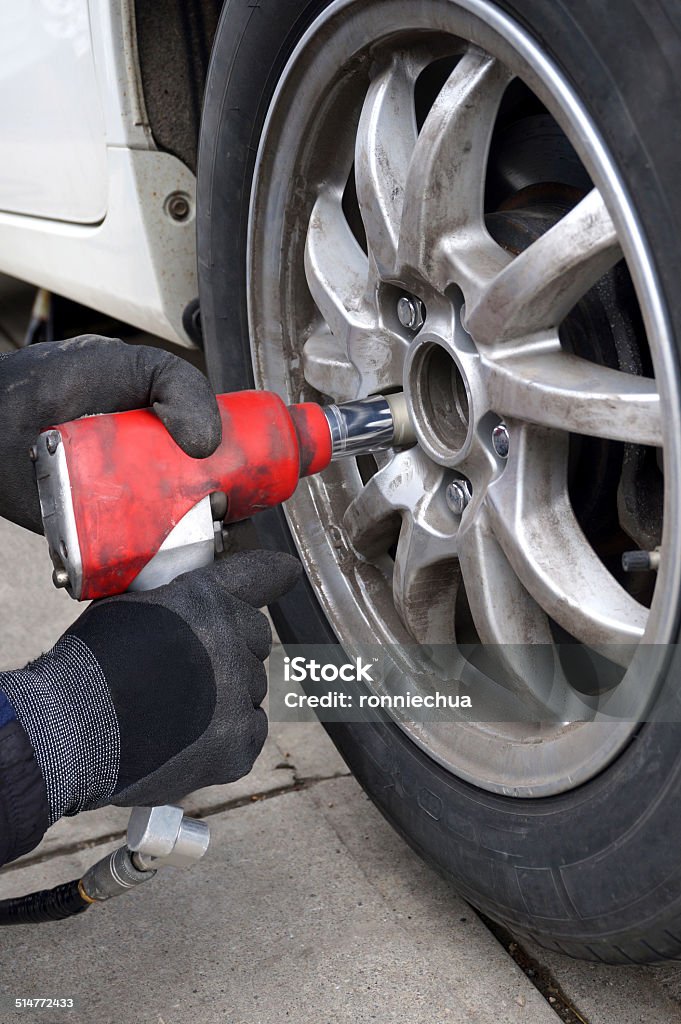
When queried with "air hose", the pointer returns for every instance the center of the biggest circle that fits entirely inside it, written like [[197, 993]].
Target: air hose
[[157, 837], [45, 905], [114, 874]]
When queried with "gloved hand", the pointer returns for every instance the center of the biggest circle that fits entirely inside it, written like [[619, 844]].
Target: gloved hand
[[52, 383], [149, 696]]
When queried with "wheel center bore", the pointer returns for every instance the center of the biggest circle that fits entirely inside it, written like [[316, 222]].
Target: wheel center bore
[[444, 392], [440, 397]]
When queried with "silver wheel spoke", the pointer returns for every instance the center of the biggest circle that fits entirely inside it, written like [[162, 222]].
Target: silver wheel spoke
[[425, 582], [336, 268], [503, 612], [385, 142], [534, 522], [361, 355], [561, 390], [442, 234], [327, 368], [426, 573], [406, 479], [369, 363], [372, 520], [541, 285], [506, 618]]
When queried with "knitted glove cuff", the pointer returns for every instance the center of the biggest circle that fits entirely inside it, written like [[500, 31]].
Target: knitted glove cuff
[[64, 704]]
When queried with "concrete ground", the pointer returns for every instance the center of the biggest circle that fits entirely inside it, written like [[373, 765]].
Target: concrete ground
[[307, 907]]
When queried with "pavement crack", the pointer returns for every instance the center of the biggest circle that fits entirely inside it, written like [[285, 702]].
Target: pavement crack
[[61, 851], [535, 972], [296, 785]]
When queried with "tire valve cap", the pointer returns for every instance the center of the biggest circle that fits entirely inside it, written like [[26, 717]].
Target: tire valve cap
[[641, 561]]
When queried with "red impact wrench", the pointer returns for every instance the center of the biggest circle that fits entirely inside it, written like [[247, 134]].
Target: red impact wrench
[[124, 508]]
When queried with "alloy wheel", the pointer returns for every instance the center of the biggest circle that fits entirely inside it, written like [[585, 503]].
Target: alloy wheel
[[402, 237]]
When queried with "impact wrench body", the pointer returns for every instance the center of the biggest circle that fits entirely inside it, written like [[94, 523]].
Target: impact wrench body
[[124, 508]]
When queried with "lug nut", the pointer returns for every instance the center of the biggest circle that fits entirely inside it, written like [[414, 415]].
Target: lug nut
[[410, 312], [501, 440], [458, 496]]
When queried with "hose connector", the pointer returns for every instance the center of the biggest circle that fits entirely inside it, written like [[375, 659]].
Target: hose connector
[[112, 876], [157, 836]]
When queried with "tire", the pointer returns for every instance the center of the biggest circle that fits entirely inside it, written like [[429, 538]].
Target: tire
[[592, 870]]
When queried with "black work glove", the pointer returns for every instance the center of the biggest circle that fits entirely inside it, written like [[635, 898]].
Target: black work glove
[[149, 696], [59, 381]]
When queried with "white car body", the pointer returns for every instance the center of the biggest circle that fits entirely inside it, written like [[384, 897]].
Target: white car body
[[83, 188]]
